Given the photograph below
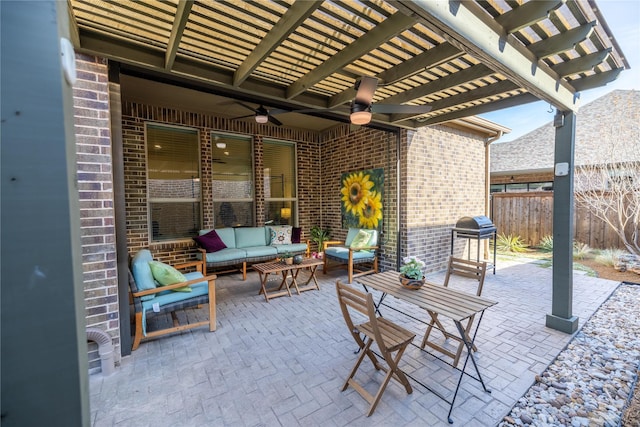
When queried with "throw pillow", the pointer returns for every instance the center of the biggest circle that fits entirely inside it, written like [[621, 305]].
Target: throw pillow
[[210, 242], [166, 275], [296, 234], [362, 239], [280, 235]]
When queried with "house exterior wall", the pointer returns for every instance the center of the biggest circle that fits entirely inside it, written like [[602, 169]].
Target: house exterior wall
[[434, 163], [95, 187], [344, 151], [442, 179], [135, 115]]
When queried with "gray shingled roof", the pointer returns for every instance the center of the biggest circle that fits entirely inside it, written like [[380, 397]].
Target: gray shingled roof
[[607, 131]]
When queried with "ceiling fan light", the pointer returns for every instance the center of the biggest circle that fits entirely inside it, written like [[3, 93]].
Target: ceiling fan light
[[360, 117], [360, 114], [262, 119]]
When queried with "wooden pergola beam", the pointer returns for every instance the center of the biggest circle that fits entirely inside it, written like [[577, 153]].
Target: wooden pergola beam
[[179, 24], [382, 32], [527, 14], [582, 64], [561, 42], [297, 13]]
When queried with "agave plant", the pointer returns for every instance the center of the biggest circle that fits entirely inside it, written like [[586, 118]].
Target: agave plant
[[546, 244], [510, 243]]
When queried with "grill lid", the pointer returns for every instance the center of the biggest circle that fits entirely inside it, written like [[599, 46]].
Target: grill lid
[[474, 223]]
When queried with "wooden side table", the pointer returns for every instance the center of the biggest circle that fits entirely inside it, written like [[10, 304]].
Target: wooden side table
[[287, 270]]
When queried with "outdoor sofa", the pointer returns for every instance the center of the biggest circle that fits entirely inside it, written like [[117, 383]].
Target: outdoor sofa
[[239, 246]]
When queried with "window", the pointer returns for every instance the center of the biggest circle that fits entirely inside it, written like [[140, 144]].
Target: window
[[280, 193], [233, 185], [173, 182]]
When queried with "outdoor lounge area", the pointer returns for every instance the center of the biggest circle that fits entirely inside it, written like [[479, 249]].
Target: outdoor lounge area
[[284, 362]]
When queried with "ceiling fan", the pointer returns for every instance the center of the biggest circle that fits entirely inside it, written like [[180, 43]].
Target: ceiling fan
[[362, 106], [262, 115]]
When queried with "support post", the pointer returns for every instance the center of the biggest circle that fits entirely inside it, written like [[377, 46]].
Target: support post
[[561, 317], [44, 370]]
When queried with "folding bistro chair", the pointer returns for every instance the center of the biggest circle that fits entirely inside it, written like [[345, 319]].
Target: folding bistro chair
[[388, 336], [465, 268]]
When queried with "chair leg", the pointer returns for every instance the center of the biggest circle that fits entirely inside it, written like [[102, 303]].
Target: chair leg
[[392, 371], [212, 306], [138, 333], [363, 352]]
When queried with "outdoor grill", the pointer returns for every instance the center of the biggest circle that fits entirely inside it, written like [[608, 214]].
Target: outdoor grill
[[476, 228]]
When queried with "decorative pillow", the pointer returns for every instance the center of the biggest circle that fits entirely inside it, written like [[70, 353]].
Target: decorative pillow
[[296, 233], [362, 239], [166, 275], [210, 242], [280, 235]]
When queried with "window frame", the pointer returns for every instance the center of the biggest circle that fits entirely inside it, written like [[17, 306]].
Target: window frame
[[252, 173], [293, 201], [151, 200]]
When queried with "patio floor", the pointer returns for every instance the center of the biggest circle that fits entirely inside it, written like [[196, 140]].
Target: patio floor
[[283, 363]]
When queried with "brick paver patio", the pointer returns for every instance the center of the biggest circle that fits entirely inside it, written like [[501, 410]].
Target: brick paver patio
[[283, 363]]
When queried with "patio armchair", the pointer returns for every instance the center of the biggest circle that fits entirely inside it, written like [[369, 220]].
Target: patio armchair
[[464, 268], [359, 253], [157, 289]]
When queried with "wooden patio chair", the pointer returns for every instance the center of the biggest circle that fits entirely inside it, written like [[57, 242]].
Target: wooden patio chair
[[465, 268], [359, 253], [150, 300], [388, 337]]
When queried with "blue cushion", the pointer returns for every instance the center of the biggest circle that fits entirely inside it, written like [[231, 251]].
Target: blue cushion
[[228, 254], [163, 298], [250, 236], [293, 248], [343, 253], [142, 272], [260, 251]]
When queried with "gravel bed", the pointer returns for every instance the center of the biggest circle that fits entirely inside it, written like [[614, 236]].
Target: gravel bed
[[591, 381]]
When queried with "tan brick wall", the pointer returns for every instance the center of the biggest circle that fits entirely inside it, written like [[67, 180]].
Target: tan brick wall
[[95, 187], [442, 179]]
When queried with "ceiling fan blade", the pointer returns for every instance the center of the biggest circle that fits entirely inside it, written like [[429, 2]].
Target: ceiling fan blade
[[243, 117], [246, 106], [400, 109], [366, 87], [274, 120]]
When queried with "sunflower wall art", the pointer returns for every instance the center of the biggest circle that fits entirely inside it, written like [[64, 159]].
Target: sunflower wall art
[[361, 197]]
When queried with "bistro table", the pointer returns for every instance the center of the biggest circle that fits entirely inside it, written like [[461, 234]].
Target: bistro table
[[436, 300], [287, 270]]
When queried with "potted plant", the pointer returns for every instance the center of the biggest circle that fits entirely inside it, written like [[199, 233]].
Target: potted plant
[[319, 236], [411, 275], [287, 257]]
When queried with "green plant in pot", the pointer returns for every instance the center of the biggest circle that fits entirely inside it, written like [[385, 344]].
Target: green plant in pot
[[319, 236], [411, 275], [287, 257]]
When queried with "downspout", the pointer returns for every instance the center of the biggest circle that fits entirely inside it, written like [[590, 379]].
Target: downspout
[[398, 203], [105, 349], [487, 183]]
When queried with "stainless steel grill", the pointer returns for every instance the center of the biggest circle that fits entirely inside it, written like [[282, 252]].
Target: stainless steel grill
[[477, 228]]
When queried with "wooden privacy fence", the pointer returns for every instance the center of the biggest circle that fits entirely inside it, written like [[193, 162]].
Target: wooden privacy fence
[[530, 216]]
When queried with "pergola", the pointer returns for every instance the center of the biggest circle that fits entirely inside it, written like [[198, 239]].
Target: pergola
[[461, 58]]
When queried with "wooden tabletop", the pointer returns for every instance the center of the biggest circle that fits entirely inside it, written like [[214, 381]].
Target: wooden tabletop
[[278, 266], [454, 304]]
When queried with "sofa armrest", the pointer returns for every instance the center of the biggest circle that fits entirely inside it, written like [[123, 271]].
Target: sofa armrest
[[196, 263], [365, 248]]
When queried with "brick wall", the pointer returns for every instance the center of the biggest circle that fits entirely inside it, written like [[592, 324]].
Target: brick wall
[[95, 187], [135, 115], [443, 179], [344, 150]]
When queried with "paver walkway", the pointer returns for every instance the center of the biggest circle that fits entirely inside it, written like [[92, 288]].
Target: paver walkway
[[283, 363]]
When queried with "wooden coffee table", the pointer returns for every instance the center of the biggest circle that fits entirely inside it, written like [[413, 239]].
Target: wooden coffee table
[[287, 270]]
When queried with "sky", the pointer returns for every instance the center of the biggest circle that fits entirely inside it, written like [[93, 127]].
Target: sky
[[623, 18]]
